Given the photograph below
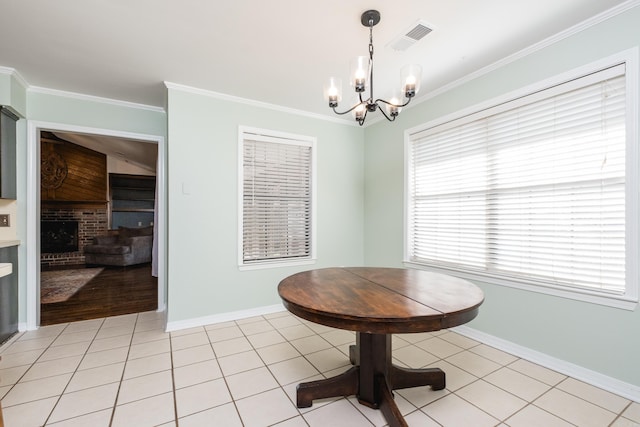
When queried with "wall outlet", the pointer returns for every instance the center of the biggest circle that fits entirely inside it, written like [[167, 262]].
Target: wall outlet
[[4, 220]]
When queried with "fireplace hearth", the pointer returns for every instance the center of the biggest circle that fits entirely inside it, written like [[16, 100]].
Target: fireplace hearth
[[58, 236]]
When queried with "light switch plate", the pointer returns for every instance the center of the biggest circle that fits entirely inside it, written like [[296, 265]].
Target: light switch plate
[[4, 220]]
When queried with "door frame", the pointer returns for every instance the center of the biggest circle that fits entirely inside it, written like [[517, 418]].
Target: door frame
[[33, 209]]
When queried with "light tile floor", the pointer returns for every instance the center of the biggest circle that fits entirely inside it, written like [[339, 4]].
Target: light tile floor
[[126, 371]]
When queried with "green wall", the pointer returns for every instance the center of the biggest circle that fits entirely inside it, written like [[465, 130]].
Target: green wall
[[204, 278], [599, 338]]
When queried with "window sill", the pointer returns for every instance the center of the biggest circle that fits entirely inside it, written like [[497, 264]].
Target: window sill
[[621, 302], [275, 264]]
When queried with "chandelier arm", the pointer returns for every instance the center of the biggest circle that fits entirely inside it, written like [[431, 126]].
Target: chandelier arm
[[392, 104], [361, 121], [345, 112], [392, 118]]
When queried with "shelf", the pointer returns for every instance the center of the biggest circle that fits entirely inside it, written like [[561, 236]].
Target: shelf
[[9, 243], [6, 268], [132, 199], [119, 187], [132, 210]]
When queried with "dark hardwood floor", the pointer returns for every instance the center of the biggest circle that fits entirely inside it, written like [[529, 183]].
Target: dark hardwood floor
[[115, 291]]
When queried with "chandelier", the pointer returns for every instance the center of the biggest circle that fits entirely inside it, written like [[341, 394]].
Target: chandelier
[[362, 79]]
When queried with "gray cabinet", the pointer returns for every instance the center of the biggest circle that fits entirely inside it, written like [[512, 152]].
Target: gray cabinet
[[7, 153], [9, 294], [8, 254]]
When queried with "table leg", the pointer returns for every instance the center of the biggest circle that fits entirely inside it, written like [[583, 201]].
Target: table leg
[[388, 406], [371, 379], [400, 378], [354, 354], [345, 384]]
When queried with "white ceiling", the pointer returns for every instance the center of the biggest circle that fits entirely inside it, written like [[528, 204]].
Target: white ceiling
[[278, 51]]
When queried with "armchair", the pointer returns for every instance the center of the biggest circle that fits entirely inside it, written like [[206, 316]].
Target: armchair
[[128, 246]]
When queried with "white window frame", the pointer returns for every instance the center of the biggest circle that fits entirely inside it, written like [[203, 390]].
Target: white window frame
[[280, 138], [629, 299]]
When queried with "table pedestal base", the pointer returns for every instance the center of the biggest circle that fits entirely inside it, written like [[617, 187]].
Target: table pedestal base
[[372, 378]]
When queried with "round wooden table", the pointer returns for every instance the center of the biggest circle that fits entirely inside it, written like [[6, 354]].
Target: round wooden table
[[376, 303]]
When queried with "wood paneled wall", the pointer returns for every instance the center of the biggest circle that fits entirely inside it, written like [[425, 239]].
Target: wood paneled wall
[[86, 172]]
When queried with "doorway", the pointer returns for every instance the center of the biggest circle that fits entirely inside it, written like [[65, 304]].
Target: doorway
[[100, 292]]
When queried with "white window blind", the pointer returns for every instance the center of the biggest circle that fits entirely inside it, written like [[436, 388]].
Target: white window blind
[[276, 198], [531, 190]]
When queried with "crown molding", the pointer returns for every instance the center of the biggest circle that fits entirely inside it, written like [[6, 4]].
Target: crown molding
[[15, 74], [254, 103], [74, 95], [92, 98], [588, 23]]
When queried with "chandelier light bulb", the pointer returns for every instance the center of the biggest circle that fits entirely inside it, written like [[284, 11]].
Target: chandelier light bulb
[[359, 69], [393, 108], [411, 75], [333, 91]]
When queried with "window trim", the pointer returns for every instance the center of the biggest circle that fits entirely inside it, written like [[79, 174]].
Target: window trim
[[280, 137], [628, 300]]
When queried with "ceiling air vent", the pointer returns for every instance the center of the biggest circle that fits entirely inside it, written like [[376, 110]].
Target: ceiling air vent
[[408, 38]]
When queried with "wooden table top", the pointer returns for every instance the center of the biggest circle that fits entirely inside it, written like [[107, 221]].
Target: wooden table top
[[381, 300]]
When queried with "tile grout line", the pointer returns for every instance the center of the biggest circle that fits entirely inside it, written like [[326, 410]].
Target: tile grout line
[[280, 386], [300, 354], [533, 403], [619, 416], [74, 371], [93, 340], [124, 369], [31, 366], [173, 382], [224, 377]]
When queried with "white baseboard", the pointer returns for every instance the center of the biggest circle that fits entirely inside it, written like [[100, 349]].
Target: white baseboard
[[588, 376], [223, 317]]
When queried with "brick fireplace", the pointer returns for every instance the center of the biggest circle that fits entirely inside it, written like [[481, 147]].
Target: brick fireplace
[[92, 221], [73, 189]]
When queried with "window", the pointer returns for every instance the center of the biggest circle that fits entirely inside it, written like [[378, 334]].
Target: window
[[537, 192], [277, 198]]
